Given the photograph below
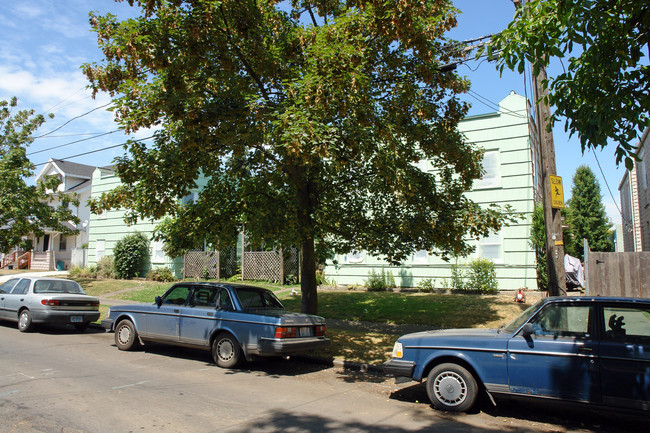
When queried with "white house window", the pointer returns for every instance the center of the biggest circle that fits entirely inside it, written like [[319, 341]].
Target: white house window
[[492, 169], [63, 244], [355, 257], [421, 256], [158, 253], [100, 249], [491, 247]]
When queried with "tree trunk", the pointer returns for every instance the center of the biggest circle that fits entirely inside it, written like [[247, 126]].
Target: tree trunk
[[308, 277]]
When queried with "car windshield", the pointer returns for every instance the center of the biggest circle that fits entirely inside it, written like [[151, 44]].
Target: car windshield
[[54, 286], [254, 297], [522, 318]]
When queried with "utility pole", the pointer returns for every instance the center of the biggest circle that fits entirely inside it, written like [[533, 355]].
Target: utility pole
[[552, 215]]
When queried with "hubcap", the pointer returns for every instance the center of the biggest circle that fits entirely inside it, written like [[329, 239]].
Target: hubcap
[[22, 321], [450, 388], [124, 334], [225, 350]]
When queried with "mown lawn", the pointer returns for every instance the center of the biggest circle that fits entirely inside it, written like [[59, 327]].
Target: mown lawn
[[430, 309]]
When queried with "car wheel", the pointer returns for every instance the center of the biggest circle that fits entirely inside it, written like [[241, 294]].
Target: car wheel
[[126, 337], [226, 351], [25, 321], [452, 388]]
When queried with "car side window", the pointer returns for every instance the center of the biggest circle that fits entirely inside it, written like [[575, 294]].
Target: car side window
[[629, 324], [204, 297], [563, 320], [225, 303], [177, 295], [22, 287], [6, 287]]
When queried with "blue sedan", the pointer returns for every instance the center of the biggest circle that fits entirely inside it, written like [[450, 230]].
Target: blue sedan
[[584, 349], [234, 321]]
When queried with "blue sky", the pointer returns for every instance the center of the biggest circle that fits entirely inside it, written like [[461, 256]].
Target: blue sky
[[44, 43]]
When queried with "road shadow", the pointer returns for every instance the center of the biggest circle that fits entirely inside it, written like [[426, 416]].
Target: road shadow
[[570, 416], [269, 366], [50, 329]]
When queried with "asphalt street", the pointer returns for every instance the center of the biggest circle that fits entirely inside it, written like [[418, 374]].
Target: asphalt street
[[57, 380]]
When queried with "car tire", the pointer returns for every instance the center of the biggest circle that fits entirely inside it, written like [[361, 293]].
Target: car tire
[[126, 337], [226, 351], [25, 323], [451, 388]]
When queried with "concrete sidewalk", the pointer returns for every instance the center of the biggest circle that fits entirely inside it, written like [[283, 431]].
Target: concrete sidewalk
[[34, 274]]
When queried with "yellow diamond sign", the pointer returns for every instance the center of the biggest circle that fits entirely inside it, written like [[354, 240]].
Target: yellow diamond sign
[[557, 194]]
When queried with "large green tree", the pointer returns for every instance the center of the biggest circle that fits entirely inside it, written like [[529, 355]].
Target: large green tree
[[309, 119], [586, 216], [25, 209], [603, 91]]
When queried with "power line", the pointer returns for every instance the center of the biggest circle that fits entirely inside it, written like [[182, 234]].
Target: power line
[[74, 118], [97, 150], [608, 188], [72, 142]]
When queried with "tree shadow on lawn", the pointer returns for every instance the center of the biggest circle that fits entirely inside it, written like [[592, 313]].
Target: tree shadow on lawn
[[435, 310]]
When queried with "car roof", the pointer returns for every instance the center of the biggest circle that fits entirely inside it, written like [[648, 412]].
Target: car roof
[[584, 299]]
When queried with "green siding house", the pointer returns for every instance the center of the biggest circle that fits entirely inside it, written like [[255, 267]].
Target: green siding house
[[109, 227], [512, 177]]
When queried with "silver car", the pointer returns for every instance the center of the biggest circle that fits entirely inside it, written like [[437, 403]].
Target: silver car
[[30, 301]]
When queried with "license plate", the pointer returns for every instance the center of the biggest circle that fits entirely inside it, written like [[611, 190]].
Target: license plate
[[76, 319], [305, 332]]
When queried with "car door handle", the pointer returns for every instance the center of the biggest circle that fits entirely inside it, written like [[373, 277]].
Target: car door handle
[[177, 311]]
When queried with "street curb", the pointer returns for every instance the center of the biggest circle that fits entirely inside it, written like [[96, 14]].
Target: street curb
[[346, 365]]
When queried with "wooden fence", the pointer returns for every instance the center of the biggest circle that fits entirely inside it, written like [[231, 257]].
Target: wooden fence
[[617, 274], [280, 265]]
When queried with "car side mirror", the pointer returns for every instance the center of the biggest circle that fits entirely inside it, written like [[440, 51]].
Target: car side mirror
[[527, 330], [158, 301]]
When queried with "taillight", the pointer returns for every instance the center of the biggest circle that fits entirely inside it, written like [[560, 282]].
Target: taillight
[[285, 332], [51, 302], [95, 304], [320, 330]]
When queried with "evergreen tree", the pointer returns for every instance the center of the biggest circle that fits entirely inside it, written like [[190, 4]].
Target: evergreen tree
[[586, 216]]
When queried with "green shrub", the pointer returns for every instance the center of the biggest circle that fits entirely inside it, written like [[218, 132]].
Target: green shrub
[[164, 275], [378, 282], [457, 279], [235, 278], [131, 255], [106, 267], [426, 285], [482, 276], [85, 272]]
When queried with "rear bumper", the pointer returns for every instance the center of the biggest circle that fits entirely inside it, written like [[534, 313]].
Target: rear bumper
[[399, 368], [284, 346], [63, 317]]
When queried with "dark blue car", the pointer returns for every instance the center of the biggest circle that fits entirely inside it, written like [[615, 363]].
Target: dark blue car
[[584, 349], [234, 321]]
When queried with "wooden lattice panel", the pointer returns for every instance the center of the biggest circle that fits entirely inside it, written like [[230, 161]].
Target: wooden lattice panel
[[262, 265], [201, 264]]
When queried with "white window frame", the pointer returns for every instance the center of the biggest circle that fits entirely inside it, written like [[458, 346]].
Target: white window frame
[[158, 253], [494, 239], [421, 256], [355, 257], [100, 249], [492, 168]]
